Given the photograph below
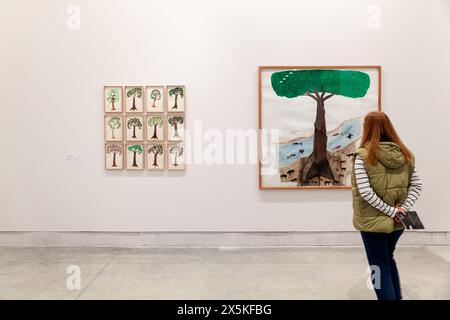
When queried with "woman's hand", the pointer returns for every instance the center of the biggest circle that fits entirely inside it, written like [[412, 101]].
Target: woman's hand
[[400, 211]]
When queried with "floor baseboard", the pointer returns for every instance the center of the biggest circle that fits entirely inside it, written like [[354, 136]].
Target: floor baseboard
[[210, 239]]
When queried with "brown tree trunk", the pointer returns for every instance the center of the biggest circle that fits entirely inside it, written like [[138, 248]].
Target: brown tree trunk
[[134, 132], [134, 104], [154, 136], [114, 160], [112, 106], [154, 105], [113, 133], [320, 166], [155, 163], [134, 159], [175, 106], [320, 134]]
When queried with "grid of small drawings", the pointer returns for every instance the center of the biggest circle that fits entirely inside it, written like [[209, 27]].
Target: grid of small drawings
[[144, 127]]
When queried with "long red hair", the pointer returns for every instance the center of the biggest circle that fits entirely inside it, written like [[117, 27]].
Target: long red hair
[[378, 127]]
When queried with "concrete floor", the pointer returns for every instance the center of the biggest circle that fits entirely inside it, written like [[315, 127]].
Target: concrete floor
[[214, 273]]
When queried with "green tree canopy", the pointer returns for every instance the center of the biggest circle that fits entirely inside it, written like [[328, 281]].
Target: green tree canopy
[[176, 91], [156, 94], [136, 148], [156, 149], [176, 120], [114, 123], [113, 95], [294, 83], [135, 92], [134, 122], [155, 121]]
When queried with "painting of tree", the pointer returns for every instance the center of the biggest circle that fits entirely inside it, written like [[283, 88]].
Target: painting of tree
[[135, 92], [114, 124], [156, 150], [155, 95], [174, 122], [176, 92], [176, 151], [115, 150], [319, 86], [134, 123], [113, 96], [135, 149], [155, 122]]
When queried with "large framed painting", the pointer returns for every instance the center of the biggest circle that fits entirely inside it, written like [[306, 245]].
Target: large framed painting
[[310, 121]]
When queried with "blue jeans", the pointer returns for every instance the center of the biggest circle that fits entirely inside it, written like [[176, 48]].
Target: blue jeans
[[380, 254]]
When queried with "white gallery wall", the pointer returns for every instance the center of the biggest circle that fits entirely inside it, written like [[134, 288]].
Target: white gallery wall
[[52, 71]]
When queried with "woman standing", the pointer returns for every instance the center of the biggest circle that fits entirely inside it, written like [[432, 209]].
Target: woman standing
[[385, 185]]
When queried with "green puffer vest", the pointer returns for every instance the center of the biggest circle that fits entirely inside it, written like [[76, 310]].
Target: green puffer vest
[[390, 179]]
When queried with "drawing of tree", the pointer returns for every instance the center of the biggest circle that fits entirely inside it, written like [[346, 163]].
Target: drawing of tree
[[114, 124], [136, 149], [177, 151], [320, 85], [156, 150], [175, 121], [112, 97], [134, 123], [177, 91], [155, 95], [155, 122], [135, 93], [115, 150]]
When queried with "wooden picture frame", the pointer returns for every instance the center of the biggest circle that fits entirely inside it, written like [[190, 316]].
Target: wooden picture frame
[[113, 130], [114, 156], [134, 127], [176, 161], [156, 154], [175, 126], [176, 98], [134, 99], [158, 128], [111, 102], [155, 103], [281, 74], [135, 157]]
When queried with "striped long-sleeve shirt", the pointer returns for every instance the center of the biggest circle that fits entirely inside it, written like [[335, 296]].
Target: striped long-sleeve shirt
[[368, 194]]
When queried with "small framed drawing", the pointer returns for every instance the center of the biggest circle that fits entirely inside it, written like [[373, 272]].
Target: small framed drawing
[[112, 99], [134, 99], [156, 156], [134, 128], [175, 98], [155, 99], [155, 127], [176, 156], [175, 127], [135, 156], [114, 156], [113, 127]]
